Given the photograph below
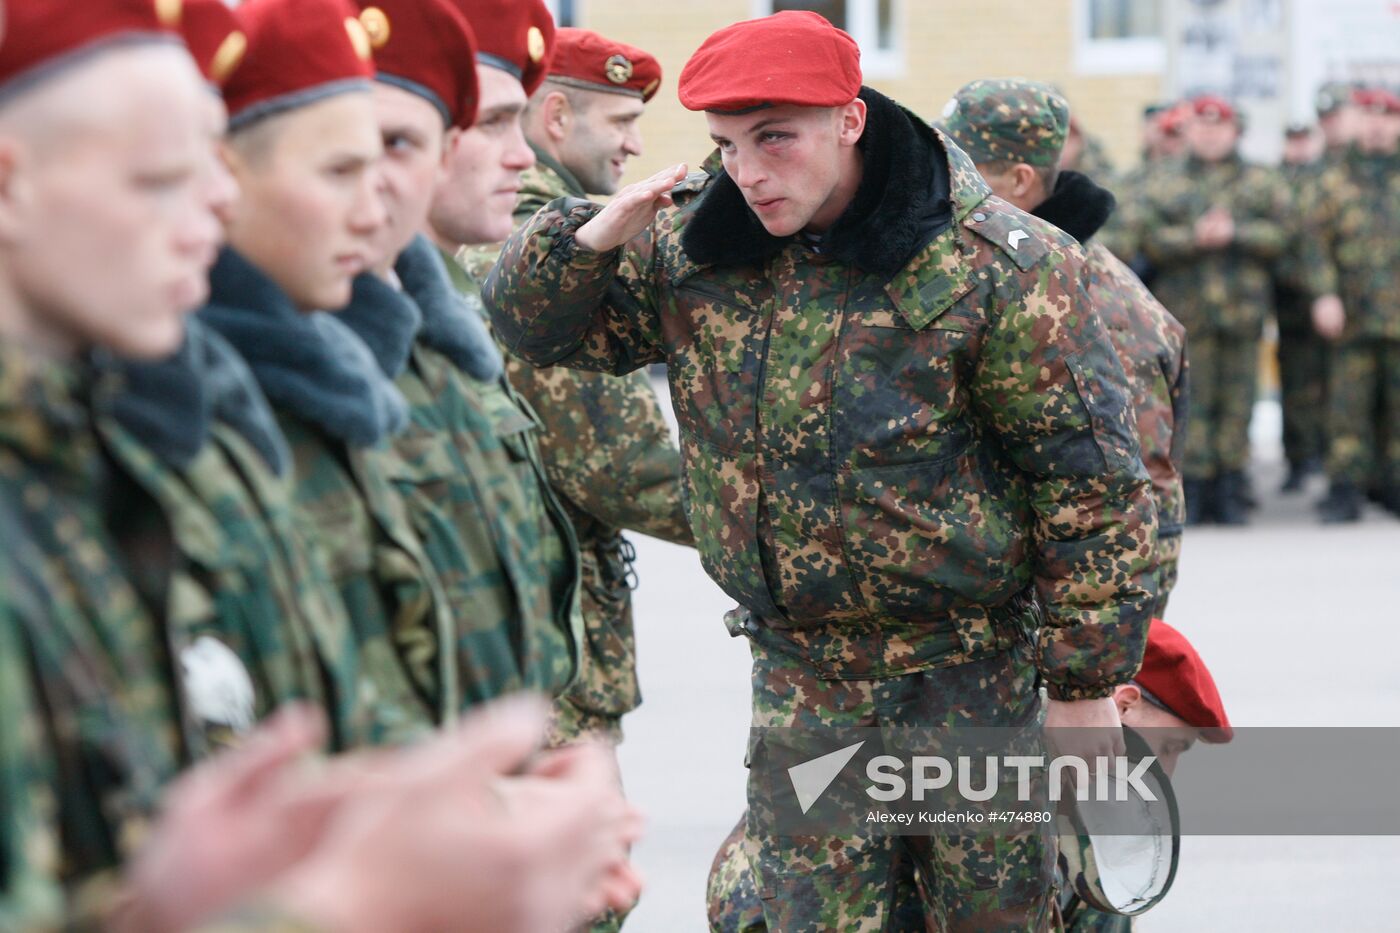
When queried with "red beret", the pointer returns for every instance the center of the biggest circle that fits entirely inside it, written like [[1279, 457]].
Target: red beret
[[44, 35], [793, 57], [1173, 119], [516, 36], [212, 32], [1174, 673], [586, 59], [1212, 108], [1377, 100], [425, 47], [299, 52]]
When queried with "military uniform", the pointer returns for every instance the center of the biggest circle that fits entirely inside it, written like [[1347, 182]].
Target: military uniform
[[1302, 353], [838, 402], [1222, 297], [609, 454], [244, 595], [337, 410], [1358, 260], [467, 471]]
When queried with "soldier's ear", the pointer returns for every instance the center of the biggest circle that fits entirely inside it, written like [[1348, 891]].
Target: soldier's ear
[[1126, 697], [557, 114], [852, 122], [15, 194]]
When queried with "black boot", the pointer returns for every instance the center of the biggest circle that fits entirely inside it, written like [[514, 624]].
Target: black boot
[[1199, 509], [1298, 473], [1342, 505], [1231, 506]]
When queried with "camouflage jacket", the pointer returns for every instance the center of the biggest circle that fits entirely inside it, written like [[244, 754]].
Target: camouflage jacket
[[882, 467], [609, 455], [1151, 344], [245, 597], [1292, 303], [1357, 253], [1225, 290], [91, 722], [337, 410], [466, 471]]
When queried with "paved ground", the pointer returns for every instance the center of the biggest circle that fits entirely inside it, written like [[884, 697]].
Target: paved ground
[[1298, 622]]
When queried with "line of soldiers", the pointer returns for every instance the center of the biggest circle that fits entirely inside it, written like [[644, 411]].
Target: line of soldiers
[[911, 391], [1227, 246], [323, 498]]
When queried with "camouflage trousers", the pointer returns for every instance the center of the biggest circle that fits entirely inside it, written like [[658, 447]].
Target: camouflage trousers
[[808, 884], [1168, 557], [1302, 368], [1365, 409], [1224, 379]]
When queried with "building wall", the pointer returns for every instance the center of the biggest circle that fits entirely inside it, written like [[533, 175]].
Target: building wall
[[946, 44]]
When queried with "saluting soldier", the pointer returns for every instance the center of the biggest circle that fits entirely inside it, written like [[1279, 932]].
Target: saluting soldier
[[605, 442], [908, 449]]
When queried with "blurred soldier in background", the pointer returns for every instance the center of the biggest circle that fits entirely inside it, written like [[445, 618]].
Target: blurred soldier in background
[[1086, 153], [1212, 227], [1302, 352], [605, 443], [1162, 140], [1356, 272]]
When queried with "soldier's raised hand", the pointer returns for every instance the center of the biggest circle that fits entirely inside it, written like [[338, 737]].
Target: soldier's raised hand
[[1329, 317], [630, 212]]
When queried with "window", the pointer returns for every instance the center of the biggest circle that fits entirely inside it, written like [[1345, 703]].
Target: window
[[874, 24], [565, 11], [1119, 36]]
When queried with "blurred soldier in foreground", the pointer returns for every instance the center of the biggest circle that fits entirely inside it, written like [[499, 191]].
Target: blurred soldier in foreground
[[1356, 271], [1212, 226], [1302, 353], [106, 161], [508, 574], [605, 441], [886, 381]]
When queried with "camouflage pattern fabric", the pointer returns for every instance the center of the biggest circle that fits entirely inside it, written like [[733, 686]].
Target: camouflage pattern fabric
[[609, 455], [1008, 120], [1094, 160], [463, 471], [1358, 203], [1302, 352], [246, 582], [92, 729], [969, 882], [854, 514], [1151, 345], [1221, 296]]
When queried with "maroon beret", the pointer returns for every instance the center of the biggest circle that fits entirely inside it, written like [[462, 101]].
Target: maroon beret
[[793, 57], [586, 59], [212, 32], [1214, 109], [1174, 673], [299, 52], [516, 36], [42, 36], [1377, 100], [427, 48]]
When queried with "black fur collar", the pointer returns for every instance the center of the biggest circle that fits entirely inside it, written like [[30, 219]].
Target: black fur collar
[[1078, 206], [170, 406], [385, 318], [903, 202], [310, 364], [450, 325]]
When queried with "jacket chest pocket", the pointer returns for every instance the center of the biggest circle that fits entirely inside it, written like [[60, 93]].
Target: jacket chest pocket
[[717, 342], [901, 393]]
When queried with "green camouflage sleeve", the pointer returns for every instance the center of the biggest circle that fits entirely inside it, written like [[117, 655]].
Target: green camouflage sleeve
[[1049, 383], [1320, 205], [607, 448], [1166, 240], [553, 302], [30, 894], [1260, 227]]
